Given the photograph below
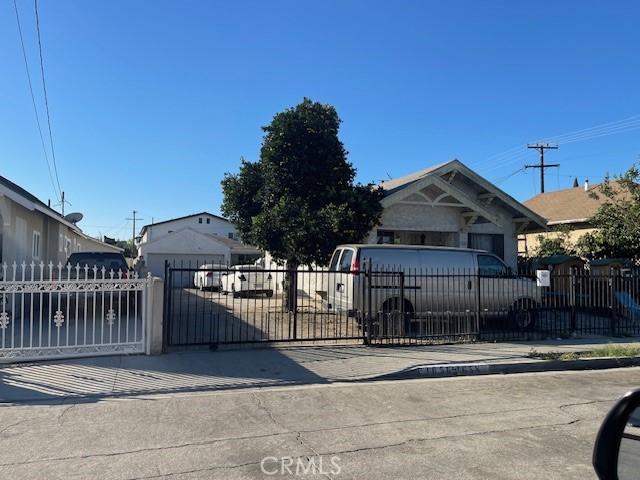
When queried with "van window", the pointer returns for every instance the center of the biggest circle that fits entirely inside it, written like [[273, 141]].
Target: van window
[[445, 261], [490, 266], [345, 261], [391, 259], [334, 261]]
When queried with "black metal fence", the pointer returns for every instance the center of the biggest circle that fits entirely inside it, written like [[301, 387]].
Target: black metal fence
[[245, 304]]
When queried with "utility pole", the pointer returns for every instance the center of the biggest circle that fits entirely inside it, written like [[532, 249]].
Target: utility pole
[[133, 238], [541, 148], [62, 202]]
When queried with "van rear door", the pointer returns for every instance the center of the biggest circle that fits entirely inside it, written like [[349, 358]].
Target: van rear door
[[340, 295]]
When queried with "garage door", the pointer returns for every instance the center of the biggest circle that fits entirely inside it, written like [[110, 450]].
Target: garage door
[[155, 263]]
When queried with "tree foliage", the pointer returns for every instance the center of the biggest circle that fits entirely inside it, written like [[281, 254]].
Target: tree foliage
[[558, 244], [617, 219], [299, 200]]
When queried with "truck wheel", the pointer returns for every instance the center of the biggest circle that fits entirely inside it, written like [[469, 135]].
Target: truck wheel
[[523, 315]]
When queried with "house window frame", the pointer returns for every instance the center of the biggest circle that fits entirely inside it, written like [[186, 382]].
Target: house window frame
[[36, 245]]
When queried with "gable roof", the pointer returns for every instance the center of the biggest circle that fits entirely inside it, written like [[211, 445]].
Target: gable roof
[[193, 215], [31, 202], [571, 205], [442, 176], [234, 245]]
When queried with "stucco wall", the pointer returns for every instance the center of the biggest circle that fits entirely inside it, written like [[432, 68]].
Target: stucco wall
[[217, 226]]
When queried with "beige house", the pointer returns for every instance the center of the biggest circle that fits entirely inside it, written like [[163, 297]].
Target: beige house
[[571, 208], [31, 231], [450, 205]]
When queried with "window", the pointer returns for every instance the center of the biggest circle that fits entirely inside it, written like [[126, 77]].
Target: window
[[200, 220], [208, 221], [493, 243], [385, 237], [60, 243], [35, 252], [345, 261], [490, 266]]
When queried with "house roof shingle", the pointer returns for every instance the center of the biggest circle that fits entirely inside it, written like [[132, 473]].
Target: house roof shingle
[[572, 205]]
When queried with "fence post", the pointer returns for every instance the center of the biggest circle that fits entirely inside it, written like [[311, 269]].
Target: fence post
[[573, 321], [612, 302], [294, 301], [368, 290], [478, 300], [167, 311]]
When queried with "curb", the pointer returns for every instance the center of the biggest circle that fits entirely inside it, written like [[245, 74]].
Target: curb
[[444, 370]]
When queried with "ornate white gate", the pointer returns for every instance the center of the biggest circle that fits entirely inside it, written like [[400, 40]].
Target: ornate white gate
[[48, 311]]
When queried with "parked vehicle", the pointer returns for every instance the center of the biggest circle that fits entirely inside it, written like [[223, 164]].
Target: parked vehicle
[[208, 276], [96, 266], [246, 279], [423, 282], [110, 261]]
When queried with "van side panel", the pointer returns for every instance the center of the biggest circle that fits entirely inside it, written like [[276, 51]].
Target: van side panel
[[448, 280]]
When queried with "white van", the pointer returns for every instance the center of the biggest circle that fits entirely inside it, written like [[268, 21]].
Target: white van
[[428, 282]]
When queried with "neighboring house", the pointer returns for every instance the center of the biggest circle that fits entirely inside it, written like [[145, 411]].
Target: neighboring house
[[192, 241], [31, 231], [450, 205], [571, 208]]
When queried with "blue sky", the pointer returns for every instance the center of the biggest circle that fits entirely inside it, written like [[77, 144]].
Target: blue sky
[[151, 102]]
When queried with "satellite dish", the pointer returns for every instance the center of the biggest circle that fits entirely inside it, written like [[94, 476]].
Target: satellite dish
[[73, 217]]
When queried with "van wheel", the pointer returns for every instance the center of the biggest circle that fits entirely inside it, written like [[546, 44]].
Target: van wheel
[[392, 325], [523, 315]]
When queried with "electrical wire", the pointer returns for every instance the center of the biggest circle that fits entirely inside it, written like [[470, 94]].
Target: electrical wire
[[519, 154], [46, 100], [56, 191]]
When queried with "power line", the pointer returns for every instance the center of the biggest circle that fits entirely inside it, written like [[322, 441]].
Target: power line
[[46, 100], [33, 101], [499, 161]]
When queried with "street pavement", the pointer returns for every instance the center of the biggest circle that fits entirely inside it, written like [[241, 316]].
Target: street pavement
[[90, 379]]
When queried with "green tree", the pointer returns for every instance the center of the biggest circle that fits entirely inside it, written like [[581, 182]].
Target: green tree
[[558, 244], [617, 219], [299, 200]]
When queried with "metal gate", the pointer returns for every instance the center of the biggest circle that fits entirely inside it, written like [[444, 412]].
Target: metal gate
[[47, 312], [248, 304]]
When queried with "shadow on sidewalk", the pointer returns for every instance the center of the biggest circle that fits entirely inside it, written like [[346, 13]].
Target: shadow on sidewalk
[[93, 379]]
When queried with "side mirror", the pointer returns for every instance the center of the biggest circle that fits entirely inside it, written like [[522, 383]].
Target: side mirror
[[616, 454]]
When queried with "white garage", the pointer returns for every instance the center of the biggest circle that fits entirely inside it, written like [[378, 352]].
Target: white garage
[[189, 249]]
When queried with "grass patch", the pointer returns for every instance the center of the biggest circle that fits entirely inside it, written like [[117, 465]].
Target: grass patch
[[614, 351]]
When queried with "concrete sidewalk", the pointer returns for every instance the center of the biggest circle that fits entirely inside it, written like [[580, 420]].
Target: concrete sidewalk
[[92, 379]]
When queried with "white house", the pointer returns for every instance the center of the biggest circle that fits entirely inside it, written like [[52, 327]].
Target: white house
[[191, 241], [31, 231], [451, 205]]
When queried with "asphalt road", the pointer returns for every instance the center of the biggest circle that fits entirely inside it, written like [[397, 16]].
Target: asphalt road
[[526, 426]]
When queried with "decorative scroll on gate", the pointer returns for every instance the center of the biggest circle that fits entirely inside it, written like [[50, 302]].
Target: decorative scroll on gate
[[47, 311]]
